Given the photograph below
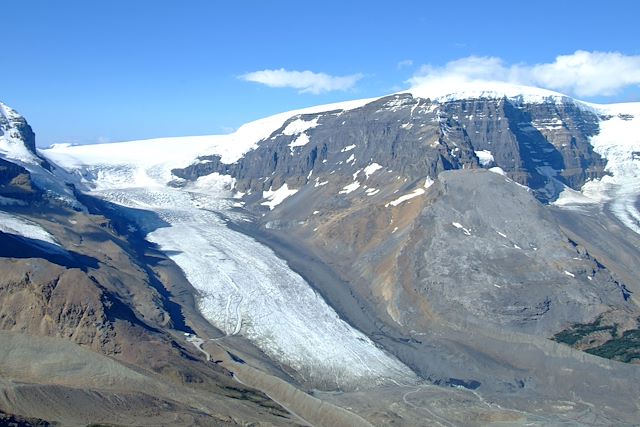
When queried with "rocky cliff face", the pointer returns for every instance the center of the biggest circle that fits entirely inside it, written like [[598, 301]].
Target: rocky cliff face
[[540, 145], [15, 181]]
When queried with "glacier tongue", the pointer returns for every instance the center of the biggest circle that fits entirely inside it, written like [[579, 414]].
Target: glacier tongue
[[244, 288], [619, 143]]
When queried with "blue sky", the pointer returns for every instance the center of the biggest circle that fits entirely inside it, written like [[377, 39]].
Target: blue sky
[[87, 71]]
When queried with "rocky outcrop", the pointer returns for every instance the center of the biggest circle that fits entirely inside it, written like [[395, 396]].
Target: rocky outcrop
[[15, 181], [533, 143]]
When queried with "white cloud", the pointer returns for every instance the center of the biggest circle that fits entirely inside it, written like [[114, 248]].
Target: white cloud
[[581, 73], [405, 63], [304, 81], [590, 73]]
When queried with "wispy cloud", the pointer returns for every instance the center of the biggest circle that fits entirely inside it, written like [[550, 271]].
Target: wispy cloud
[[303, 81], [405, 63], [581, 73]]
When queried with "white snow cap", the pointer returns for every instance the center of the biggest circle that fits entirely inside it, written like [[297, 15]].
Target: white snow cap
[[443, 90], [12, 147], [164, 154]]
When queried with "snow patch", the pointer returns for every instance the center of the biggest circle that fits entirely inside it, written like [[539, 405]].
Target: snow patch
[[347, 148], [299, 126], [498, 170], [301, 140], [275, 197], [569, 198], [415, 193], [371, 191], [461, 227], [370, 169], [350, 188], [485, 157], [428, 182]]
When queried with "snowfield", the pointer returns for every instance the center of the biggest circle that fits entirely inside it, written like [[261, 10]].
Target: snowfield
[[445, 90]]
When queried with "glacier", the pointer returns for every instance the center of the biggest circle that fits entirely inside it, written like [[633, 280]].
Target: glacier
[[243, 287]]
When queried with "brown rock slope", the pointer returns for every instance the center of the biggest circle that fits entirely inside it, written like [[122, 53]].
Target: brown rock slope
[[89, 335]]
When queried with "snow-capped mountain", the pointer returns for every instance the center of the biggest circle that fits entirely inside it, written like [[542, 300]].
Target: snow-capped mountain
[[550, 142], [18, 147], [574, 145], [442, 241], [17, 140]]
